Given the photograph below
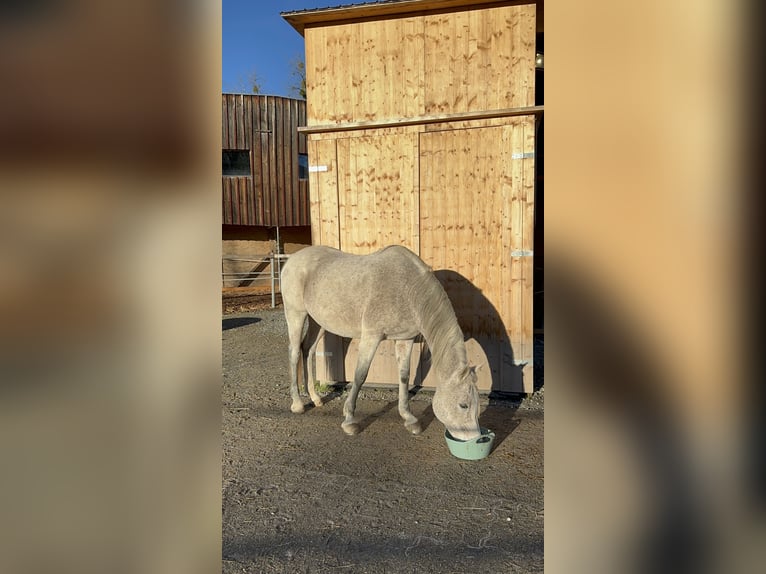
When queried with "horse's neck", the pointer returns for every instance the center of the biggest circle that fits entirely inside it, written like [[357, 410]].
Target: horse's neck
[[439, 326], [447, 347]]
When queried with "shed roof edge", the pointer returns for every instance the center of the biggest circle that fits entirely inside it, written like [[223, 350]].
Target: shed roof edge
[[300, 19]]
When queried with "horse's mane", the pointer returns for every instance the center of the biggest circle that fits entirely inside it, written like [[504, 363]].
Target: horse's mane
[[439, 324]]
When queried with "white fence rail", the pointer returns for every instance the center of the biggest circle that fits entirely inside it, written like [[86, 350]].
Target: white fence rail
[[271, 271]]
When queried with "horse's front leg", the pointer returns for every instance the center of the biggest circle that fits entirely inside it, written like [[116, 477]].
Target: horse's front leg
[[368, 344], [403, 355]]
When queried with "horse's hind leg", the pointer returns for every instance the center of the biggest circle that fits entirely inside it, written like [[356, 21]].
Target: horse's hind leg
[[367, 347], [295, 321], [315, 332], [403, 354]]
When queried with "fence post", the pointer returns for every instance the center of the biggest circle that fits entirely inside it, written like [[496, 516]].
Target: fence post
[[273, 300]]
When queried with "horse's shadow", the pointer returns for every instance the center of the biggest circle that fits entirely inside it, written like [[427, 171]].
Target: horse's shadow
[[425, 418], [372, 417], [336, 391], [499, 416], [235, 322]]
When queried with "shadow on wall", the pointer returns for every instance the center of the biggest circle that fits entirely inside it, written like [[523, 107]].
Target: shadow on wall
[[480, 320]]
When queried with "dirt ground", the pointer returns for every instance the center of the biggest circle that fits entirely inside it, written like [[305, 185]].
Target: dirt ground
[[301, 496]]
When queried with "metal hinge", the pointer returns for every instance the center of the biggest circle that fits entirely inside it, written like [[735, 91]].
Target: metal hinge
[[522, 253]]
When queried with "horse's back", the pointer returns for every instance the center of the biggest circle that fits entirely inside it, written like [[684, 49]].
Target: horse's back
[[311, 256], [390, 267], [326, 261], [349, 293]]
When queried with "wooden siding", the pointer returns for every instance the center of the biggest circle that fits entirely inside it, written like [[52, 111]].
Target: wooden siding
[[433, 148], [462, 199], [266, 126], [479, 60], [365, 71], [442, 63], [377, 192]]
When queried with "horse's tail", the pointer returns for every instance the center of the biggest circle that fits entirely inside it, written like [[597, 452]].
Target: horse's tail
[[308, 352], [302, 375]]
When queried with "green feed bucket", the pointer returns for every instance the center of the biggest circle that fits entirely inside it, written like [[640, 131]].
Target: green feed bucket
[[474, 449]]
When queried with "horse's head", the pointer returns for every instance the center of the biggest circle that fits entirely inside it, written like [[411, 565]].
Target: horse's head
[[456, 404]]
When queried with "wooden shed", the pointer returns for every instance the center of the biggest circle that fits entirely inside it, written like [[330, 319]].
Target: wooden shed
[[265, 166], [265, 187], [421, 125]]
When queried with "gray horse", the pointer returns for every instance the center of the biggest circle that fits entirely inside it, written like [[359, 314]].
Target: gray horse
[[389, 294]]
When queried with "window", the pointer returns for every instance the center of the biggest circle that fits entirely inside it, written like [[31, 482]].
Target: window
[[303, 166], [236, 162]]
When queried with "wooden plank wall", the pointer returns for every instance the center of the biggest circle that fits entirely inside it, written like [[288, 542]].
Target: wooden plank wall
[[266, 126], [377, 192], [452, 62], [365, 70], [459, 193], [478, 60]]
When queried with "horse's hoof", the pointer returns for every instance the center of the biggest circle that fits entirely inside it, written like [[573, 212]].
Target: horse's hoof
[[297, 408], [318, 403], [350, 428], [414, 428]]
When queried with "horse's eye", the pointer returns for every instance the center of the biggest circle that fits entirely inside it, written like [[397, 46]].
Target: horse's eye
[[463, 406]]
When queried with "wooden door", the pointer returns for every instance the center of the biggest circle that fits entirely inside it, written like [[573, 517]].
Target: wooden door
[[476, 231]]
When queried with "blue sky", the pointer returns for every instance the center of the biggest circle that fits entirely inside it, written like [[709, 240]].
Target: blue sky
[[257, 39]]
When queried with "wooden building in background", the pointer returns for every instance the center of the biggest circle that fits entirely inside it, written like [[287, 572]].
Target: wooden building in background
[[265, 166], [421, 127], [265, 187]]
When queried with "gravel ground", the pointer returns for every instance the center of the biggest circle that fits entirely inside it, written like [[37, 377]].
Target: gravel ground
[[301, 496]]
